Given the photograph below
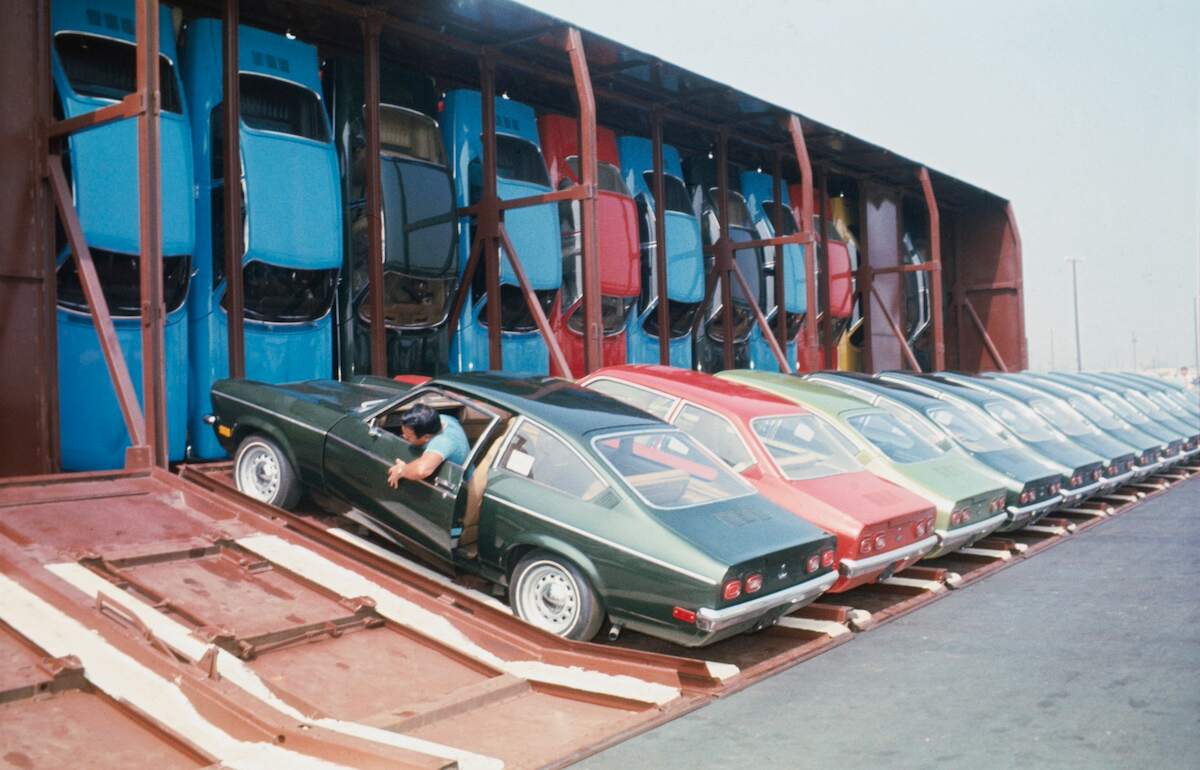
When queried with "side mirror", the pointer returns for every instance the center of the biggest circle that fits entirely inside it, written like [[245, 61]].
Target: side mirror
[[373, 428]]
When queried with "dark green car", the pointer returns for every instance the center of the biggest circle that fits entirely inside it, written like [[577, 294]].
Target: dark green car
[[585, 508], [1031, 486]]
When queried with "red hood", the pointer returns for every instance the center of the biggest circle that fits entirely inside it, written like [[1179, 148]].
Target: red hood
[[620, 265]]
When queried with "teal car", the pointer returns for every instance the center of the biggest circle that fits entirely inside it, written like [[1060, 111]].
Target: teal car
[[1081, 470], [905, 451], [585, 509], [1153, 405], [1032, 486]]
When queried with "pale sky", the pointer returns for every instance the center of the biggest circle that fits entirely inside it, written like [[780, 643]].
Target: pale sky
[[1083, 114]]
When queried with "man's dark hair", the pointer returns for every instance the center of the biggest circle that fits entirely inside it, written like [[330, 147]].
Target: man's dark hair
[[423, 420]]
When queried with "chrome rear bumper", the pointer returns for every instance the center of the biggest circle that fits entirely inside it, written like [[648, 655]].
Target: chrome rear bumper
[[852, 568], [710, 620]]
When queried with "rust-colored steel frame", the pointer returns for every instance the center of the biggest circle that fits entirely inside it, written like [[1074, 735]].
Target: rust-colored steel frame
[[867, 289], [235, 299], [147, 427]]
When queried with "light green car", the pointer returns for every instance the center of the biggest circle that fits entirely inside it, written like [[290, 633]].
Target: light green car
[[904, 451]]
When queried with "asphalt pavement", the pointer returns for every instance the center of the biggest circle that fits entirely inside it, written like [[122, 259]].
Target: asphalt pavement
[[1084, 656]]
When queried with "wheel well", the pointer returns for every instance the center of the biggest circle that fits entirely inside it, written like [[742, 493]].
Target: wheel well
[[514, 556]]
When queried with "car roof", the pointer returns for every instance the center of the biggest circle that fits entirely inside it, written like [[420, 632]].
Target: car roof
[[704, 389], [896, 392], [820, 397], [957, 389], [554, 401]]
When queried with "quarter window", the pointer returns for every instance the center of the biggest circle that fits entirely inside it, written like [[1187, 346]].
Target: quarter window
[[717, 434], [540, 456]]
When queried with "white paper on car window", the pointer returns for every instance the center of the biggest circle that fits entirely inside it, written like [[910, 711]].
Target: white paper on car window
[[677, 446], [519, 462], [803, 431]]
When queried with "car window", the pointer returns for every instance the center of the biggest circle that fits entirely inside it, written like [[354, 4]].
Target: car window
[[608, 176], [1096, 412], [716, 433], [657, 404], [1123, 409], [1064, 417], [966, 429], [894, 438], [803, 446], [540, 456], [676, 196], [668, 469], [1021, 420]]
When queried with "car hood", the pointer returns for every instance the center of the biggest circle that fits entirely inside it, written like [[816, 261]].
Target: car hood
[[316, 403], [736, 531]]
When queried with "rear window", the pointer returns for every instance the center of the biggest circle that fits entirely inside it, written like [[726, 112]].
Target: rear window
[[657, 404], [896, 439], [270, 104], [1021, 420], [667, 469], [1063, 417], [1096, 412], [107, 69], [676, 193], [518, 160], [285, 295], [972, 433], [804, 447], [120, 280]]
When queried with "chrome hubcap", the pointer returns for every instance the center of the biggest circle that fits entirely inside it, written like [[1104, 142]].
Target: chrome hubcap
[[548, 598], [258, 472]]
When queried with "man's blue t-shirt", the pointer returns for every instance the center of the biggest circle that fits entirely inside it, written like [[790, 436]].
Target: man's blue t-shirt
[[451, 443]]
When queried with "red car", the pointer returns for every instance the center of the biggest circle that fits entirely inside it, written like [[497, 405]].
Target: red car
[[617, 226], [793, 458], [842, 264]]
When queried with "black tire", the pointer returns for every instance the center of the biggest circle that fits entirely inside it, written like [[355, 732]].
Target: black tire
[[551, 593], [261, 470]]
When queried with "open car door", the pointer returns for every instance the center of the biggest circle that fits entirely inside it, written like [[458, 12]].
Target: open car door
[[422, 515]]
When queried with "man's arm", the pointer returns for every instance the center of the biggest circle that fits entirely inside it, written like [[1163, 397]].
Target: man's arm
[[421, 468]]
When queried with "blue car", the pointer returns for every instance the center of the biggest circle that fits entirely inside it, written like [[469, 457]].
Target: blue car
[[93, 65], [757, 189], [685, 255], [292, 216], [533, 230]]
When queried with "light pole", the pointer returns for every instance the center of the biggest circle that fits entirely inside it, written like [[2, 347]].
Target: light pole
[[1075, 292], [1133, 339]]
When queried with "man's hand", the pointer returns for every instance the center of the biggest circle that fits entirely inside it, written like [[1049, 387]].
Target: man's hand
[[395, 473]]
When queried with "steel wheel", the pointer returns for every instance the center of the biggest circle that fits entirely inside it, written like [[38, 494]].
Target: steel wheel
[[257, 471], [548, 597]]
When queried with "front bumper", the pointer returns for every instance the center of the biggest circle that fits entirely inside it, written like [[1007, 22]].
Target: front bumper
[[712, 621], [852, 568], [1019, 517], [1075, 495], [953, 539]]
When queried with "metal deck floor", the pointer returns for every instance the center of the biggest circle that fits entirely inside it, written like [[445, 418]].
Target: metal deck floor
[[1087, 656]]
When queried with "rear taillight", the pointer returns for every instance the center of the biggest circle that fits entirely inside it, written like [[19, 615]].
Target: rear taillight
[[827, 558], [864, 545], [960, 517], [1027, 496], [880, 542], [1076, 480], [754, 583], [813, 564], [919, 529], [732, 589], [687, 616], [1096, 475], [998, 503], [929, 524]]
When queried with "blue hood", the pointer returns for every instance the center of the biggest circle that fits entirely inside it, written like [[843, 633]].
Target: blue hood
[[685, 258], [534, 233], [293, 201]]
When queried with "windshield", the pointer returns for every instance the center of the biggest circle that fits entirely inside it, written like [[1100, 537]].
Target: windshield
[[667, 469], [786, 219], [608, 176], [285, 294], [1122, 408], [1021, 420], [895, 438], [676, 194], [121, 282], [418, 218], [739, 215], [972, 433], [270, 104], [107, 69], [804, 447], [410, 133], [1096, 412], [411, 302], [520, 161], [1063, 417], [680, 316], [1168, 403]]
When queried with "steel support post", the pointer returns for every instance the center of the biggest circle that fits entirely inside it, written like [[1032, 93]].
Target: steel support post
[[593, 328], [828, 351], [489, 211], [660, 241], [154, 395], [865, 284], [725, 256], [777, 227], [935, 258], [796, 132], [235, 304], [379, 364]]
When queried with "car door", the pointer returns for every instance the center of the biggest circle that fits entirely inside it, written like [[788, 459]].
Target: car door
[[358, 452]]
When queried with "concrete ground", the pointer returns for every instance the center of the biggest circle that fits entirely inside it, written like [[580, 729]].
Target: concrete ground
[[1084, 656]]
